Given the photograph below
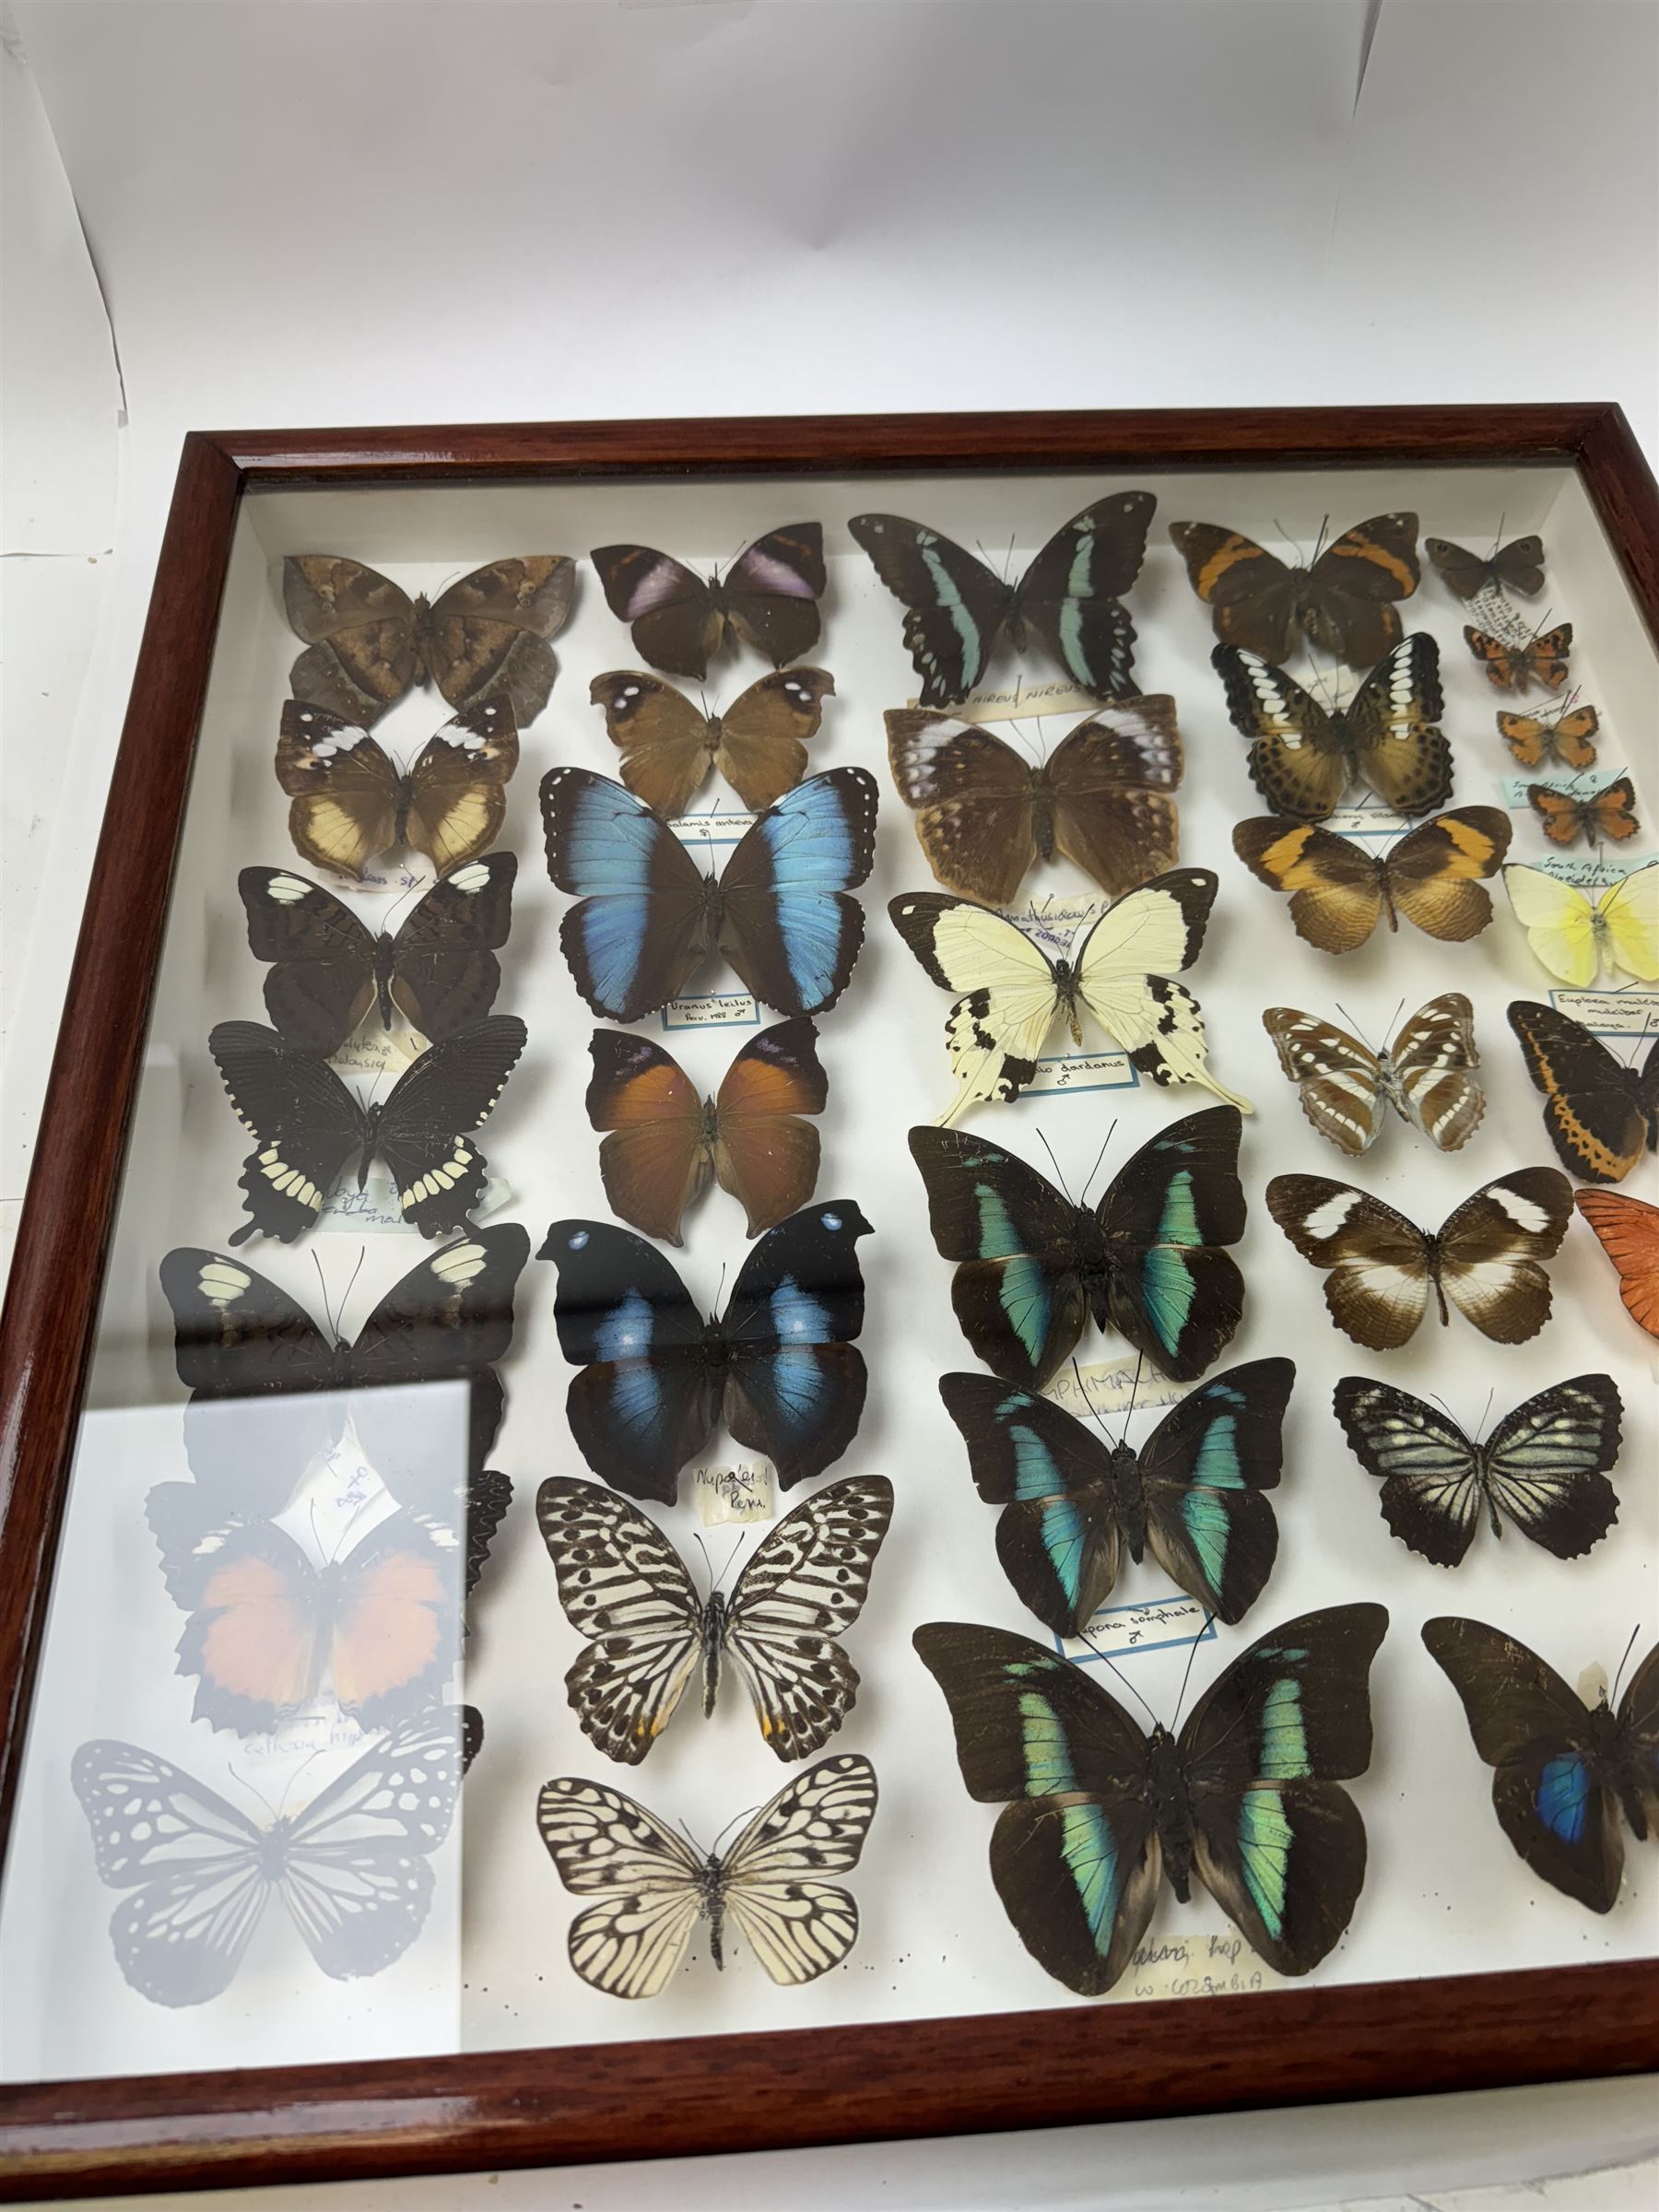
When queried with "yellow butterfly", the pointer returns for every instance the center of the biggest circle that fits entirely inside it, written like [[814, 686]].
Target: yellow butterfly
[[1574, 931]]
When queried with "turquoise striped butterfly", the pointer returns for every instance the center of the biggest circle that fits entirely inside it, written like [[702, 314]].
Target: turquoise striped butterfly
[[1247, 1796]]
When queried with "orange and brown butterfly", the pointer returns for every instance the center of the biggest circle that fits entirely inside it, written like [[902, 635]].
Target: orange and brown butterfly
[[484, 637], [1435, 875], [1629, 1231], [664, 1141], [1517, 567], [668, 745], [1533, 738], [1542, 659], [351, 803], [1342, 600], [1602, 1115], [1604, 816]]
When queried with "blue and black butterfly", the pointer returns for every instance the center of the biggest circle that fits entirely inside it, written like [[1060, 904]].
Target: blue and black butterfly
[[1145, 1259], [1192, 1492], [648, 917], [1246, 1798], [778, 1367], [1564, 1770]]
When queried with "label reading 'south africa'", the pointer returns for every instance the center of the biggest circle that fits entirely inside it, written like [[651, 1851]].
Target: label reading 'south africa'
[[713, 1010], [1153, 1625], [727, 1494], [1516, 789], [1216, 1964], [1611, 1013], [1591, 872]]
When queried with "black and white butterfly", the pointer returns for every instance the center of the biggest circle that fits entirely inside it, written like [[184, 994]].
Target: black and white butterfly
[[306, 1124], [651, 1886], [623, 1584], [1544, 1466], [351, 1868], [1427, 1074], [778, 1367], [958, 612]]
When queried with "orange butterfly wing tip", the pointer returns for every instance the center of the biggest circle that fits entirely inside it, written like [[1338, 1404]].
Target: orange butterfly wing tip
[[1628, 1232]]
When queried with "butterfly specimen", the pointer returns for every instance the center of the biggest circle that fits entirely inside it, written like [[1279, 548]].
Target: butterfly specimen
[[1517, 567], [351, 1868], [350, 803], [1544, 1466], [1304, 756], [1575, 933], [1097, 1813], [306, 1124], [652, 1887], [1486, 1256], [668, 746], [663, 1142], [1565, 1770], [1602, 1115], [778, 1367], [1010, 994], [1606, 817], [1194, 1492], [439, 968], [985, 813], [1340, 891], [1568, 737], [1343, 600], [1427, 1074], [767, 598], [1628, 1229], [958, 612], [623, 1584], [1147, 1258], [486, 636], [647, 917], [1542, 660], [238, 1337]]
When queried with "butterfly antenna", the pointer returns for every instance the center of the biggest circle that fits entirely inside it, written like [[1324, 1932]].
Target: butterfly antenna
[[1053, 1163], [322, 1287], [1093, 1172], [351, 1286], [720, 1289], [691, 1839], [708, 1563], [253, 1790], [1123, 1677], [1358, 1032], [747, 1814], [1630, 1647], [1187, 1671], [1095, 1414], [1485, 1415]]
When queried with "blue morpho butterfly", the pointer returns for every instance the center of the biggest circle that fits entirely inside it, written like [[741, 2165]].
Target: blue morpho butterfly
[[648, 917], [1032, 1266], [1245, 1797], [778, 1367], [1564, 1770], [1194, 1492]]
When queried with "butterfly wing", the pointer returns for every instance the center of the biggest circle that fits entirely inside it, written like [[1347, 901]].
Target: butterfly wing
[[253, 1639], [1639, 1746], [1530, 1726], [1560, 924], [1070, 595], [1392, 725], [1074, 1856], [457, 798], [1279, 1844], [1429, 1471], [1298, 760], [347, 795], [1059, 1540], [1629, 1233], [425, 1130], [762, 751], [1492, 1250], [804, 1586], [955, 608], [765, 1155], [625, 1588], [1547, 1465], [798, 1924], [1007, 993], [1436, 876], [639, 931], [444, 973], [1108, 784], [394, 1619], [1593, 1106], [1338, 1079], [794, 1386], [322, 980], [1252, 595], [1170, 1288], [665, 744], [1122, 969], [1433, 1060], [770, 594], [304, 1121], [646, 1399], [675, 621], [1335, 885], [360, 629], [1570, 735], [654, 1158], [788, 924], [973, 798], [647, 1882], [1204, 1471], [1626, 923], [1347, 603], [486, 636], [1379, 1263], [192, 1860]]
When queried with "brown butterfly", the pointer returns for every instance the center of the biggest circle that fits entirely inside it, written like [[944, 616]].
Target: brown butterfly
[[1533, 740], [486, 636], [985, 814], [1340, 891], [1341, 600], [1541, 660], [767, 598], [1607, 817], [350, 803], [1486, 1256], [664, 1141], [1303, 755], [668, 746], [1427, 1074], [1602, 1116], [1517, 567]]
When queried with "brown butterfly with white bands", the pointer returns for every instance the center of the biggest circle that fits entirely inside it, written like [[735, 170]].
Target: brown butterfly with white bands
[[1427, 1074], [351, 802], [1485, 1258]]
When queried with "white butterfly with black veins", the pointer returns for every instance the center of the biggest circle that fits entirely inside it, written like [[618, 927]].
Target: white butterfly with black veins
[[622, 1584], [1544, 1466], [652, 1886], [1010, 994], [1427, 1074]]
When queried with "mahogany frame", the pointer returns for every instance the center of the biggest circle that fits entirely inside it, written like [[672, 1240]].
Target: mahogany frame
[[668, 2097]]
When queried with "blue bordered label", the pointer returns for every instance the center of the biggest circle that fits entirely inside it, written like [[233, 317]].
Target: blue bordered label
[[1059, 1074], [1611, 1013], [713, 1010], [1155, 1625]]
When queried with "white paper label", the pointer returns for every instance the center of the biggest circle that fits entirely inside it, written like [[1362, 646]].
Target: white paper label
[[415, 872], [1611, 1013], [1110, 1385], [1515, 788], [1491, 610], [725, 1494], [1021, 702], [1053, 922], [1216, 1963], [1366, 821], [1061, 1072], [713, 1010], [1592, 872], [378, 1053], [719, 826], [375, 1206], [1122, 1631]]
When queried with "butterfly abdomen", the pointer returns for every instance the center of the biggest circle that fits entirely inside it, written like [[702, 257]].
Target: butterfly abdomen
[[1129, 1500], [1431, 1261], [715, 1629], [713, 1906], [1172, 1809], [385, 966], [1066, 996], [1042, 815]]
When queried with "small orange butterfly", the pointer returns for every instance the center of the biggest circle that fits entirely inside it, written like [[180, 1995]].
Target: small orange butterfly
[[1566, 735], [1607, 817], [1541, 660]]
